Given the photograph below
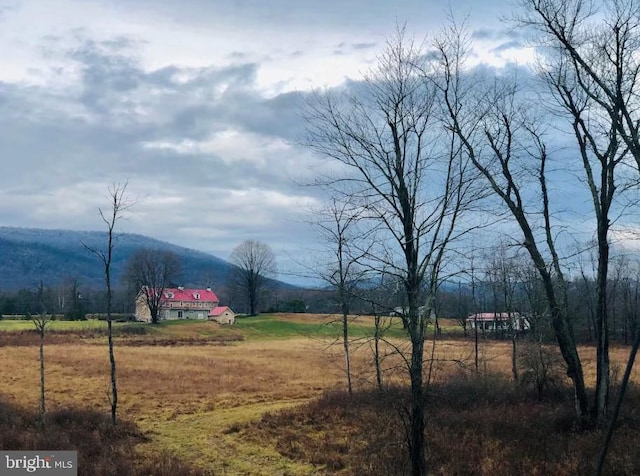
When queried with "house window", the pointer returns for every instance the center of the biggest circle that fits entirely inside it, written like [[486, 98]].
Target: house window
[[196, 295], [180, 315]]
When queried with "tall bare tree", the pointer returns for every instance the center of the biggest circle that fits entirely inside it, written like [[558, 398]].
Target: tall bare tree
[[410, 184], [631, 301], [150, 271], [41, 321], [595, 43], [254, 263], [337, 226], [502, 138], [119, 205], [502, 274], [630, 298], [601, 151], [590, 62]]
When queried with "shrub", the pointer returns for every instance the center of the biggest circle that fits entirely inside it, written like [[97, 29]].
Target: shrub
[[540, 368], [103, 449], [476, 424]]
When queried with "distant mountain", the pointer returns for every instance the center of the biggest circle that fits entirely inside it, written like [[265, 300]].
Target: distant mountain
[[29, 255]]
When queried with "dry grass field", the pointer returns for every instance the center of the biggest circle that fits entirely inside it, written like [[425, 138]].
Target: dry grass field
[[228, 400]]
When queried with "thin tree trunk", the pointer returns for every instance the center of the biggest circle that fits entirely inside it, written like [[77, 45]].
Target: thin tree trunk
[[476, 341], [117, 207], [564, 337], [253, 293], [42, 397], [345, 342], [377, 352], [112, 359], [417, 443], [601, 400], [514, 357], [114, 387], [618, 404]]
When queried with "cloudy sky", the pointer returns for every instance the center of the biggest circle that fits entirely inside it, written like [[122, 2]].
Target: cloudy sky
[[196, 103]]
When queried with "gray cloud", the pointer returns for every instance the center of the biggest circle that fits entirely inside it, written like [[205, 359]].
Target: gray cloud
[[499, 34], [237, 55], [363, 46], [483, 34], [506, 46]]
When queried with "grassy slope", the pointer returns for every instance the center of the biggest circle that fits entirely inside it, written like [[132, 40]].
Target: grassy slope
[[288, 326]]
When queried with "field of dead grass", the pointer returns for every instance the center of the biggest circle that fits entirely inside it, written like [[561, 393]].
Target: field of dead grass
[[184, 398], [200, 403]]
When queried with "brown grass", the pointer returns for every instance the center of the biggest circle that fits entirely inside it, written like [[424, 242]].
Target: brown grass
[[275, 407], [194, 334], [183, 398], [475, 426], [102, 448]]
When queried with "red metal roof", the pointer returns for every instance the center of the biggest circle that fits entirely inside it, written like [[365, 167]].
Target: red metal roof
[[189, 295], [218, 311]]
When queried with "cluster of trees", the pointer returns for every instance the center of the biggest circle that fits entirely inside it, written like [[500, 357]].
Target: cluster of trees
[[426, 142], [70, 300]]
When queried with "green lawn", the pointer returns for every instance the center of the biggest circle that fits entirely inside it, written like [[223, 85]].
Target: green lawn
[[264, 326], [273, 326]]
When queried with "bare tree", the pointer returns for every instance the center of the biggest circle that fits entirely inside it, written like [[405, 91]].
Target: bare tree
[[119, 205], [506, 144], [602, 151], [410, 184], [596, 44], [620, 263], [502, 275], [384, 299], [380, 326], [150, 271], [337, 226], [255, 264], [630, 299], [75, 305], [473, 283], [630, 284], [41, 321], [592, 66], [618, 403]]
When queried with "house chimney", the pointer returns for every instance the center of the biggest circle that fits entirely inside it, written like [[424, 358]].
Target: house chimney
[[181, 288], [209, 289]]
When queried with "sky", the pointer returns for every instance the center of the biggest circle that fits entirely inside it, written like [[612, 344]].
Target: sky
[[195, 104]]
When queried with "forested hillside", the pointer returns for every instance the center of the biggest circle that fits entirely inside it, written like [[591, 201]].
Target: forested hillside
[[31, 255]]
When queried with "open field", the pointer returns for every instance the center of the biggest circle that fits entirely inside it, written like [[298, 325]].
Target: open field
[[25, 324], [212, 396]]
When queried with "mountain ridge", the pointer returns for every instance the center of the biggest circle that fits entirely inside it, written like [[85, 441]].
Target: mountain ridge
[[31, 255]]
